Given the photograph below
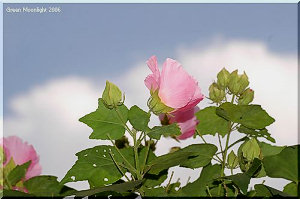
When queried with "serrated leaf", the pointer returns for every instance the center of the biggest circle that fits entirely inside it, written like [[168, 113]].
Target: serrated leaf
[[45, 186], [256, 133], [210, 122], [167, 130], [251, 116], [18, 173], [139, 118], [120, 188], [291, 189], [283, 165], [203, 155], [97, 166], [198, 187], [266, 191], [105, 121]]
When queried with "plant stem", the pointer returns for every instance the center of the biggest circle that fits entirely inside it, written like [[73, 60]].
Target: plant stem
[[112, 157], [146, 157], [123, 122], [125, 160], [231, 145], [136, 157], [201, 136]]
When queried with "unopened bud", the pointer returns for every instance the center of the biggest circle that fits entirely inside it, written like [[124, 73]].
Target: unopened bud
[[246, 97], [112, 95], [215, 93], [223, 78], [237, 83], [243, 82]]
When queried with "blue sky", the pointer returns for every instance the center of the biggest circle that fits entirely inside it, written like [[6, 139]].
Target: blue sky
[[106, 39], [55, 65]]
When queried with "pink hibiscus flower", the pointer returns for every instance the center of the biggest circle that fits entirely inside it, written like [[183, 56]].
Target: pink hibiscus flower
[[176, 88], [21, 152]]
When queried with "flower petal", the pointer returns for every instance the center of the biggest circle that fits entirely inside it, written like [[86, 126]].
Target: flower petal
[[177, 87], [21, 153], [152, 81]]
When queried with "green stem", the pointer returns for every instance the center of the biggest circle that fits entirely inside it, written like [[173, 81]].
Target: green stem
[[125, 160], [124, 123], [231, 145], [201, 136], [136, 157], [146, 157], [112, 157]]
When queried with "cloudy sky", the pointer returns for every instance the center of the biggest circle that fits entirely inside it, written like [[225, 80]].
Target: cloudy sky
[[56, 65]]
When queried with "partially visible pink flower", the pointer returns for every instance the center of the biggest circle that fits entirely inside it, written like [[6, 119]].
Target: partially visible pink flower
[[186, 120], [176, 88], [21, 152]]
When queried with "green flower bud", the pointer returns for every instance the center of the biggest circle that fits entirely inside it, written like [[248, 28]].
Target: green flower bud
[[251, 150], [215, 93], [232, 160], [246, 97], [233, 82], [223, 78], [243, 82], [157, 106], [237, 83], [112, 95]]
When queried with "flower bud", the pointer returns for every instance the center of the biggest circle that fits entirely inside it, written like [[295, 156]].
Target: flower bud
[[237, 83], [246, 97], [243, 82], [232, 160], [223, 78], [215, 93], [112, 95]]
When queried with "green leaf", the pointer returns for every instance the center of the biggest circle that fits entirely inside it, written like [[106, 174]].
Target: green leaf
[[18, 173], [169, 160], [106, 121], [203, 155], [242, 180], [97, 166], [210, 122], [139, 118], [120, 188], [268, 149], [266, 191], [155, 180], [167, 130], [291, 189], [45, 186], [283, 165], [198, 187], [256, 133], [232, 160], [251, 116]]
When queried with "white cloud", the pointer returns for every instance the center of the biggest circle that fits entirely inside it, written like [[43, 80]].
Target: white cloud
[[47, 115]]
